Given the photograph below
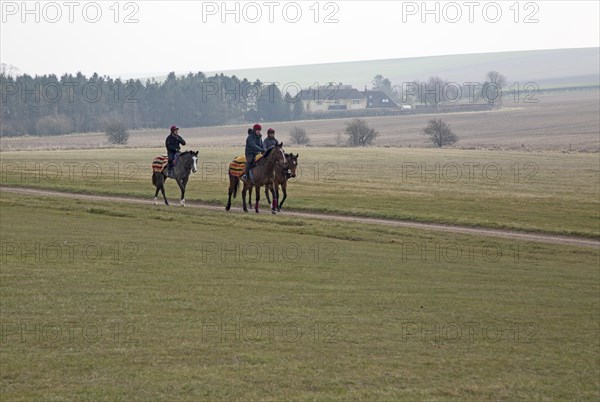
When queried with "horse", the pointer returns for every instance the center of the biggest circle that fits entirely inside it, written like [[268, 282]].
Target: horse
[[186, 162], [261, 174], [281, 178]]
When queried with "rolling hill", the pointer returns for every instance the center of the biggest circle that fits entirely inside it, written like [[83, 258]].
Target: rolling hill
[[552, 68]]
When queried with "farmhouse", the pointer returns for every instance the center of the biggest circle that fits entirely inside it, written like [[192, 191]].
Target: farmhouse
[[336, 97]]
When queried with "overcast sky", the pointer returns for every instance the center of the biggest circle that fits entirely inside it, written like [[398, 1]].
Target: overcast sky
[[154, 37]]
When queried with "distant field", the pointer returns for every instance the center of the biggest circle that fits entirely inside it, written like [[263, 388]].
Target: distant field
[[109, 301], [567, 121], [538, 191]]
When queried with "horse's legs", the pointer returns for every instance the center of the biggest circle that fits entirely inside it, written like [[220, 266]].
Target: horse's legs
[[257, 198], [162, 189], [267, 188], [156, 184], [156, 194], [273, 190], [250, 195], [159, 182], [185, 182], [244, 198], [284, 190], [182, 184]]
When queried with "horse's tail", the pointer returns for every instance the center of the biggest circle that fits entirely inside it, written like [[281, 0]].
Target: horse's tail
[[158, 165], [236, 184], [236, 168], [157, 179]]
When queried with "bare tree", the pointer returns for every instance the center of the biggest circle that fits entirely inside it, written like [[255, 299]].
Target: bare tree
[[298, 136], [492, 87], [116, 131], [496, 78], [434, 90], [439, 133], [359, 133]]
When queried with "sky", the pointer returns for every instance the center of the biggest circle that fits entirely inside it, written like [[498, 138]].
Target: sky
[[142, 38]]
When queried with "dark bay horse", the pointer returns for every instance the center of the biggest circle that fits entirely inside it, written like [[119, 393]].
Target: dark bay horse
[[187, 162], [260, 175], [281, 178]]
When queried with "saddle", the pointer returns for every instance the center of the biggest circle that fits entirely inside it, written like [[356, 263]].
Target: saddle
[[159, 163], [242, 159], [238, 165]]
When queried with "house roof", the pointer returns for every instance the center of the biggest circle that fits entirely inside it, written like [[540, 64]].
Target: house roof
[[378, 99], [331, 93]]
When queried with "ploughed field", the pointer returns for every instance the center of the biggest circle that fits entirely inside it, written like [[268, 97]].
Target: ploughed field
[[555, 121]]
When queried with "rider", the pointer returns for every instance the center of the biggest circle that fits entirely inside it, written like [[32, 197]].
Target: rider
[[173, 143], [270, 141], [254, 146]]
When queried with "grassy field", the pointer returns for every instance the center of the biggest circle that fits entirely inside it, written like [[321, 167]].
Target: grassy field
[[115, 301], [108, 301], [535, 191]]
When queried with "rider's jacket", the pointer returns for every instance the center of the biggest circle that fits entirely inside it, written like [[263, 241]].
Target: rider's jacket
[[173, 143], [254, 144]]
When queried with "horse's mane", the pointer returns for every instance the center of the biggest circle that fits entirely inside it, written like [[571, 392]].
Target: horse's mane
[[265, 155], [268, 152]]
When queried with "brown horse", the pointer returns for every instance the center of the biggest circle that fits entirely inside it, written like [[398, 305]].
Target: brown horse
[[260, 175], [281, 178]]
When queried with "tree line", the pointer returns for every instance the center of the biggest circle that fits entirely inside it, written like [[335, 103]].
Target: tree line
[[51, 105], [439, 91]]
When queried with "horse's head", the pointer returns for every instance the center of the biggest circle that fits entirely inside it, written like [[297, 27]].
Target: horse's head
[[195, 159], [277, 155], [190, 159], [292, 164]]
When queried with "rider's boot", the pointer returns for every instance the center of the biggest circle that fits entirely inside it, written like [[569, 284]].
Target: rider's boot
[[246, 173]]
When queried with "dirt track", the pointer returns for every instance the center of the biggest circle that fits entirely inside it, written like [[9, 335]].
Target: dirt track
[[524, 236]]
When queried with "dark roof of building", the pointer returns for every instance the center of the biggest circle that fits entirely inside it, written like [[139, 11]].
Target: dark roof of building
[[378, 99]]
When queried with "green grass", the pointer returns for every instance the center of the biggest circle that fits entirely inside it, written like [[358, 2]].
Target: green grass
[[180, 305], [545, 192]]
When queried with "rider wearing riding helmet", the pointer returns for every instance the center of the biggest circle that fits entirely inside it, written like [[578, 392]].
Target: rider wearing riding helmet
[[173, 143], [254, 146], [270, 141]]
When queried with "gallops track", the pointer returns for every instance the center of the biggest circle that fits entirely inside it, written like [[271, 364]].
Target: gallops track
[[508, 234]]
